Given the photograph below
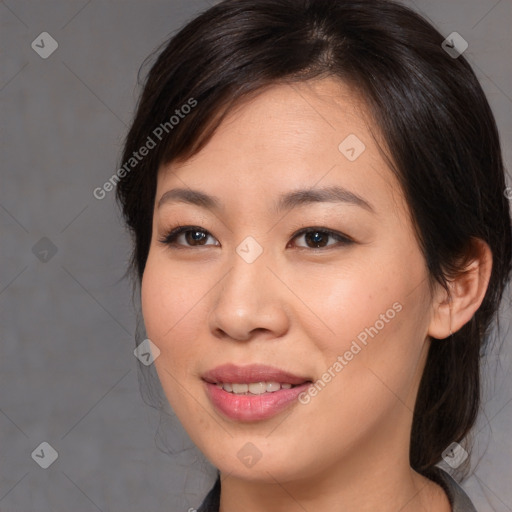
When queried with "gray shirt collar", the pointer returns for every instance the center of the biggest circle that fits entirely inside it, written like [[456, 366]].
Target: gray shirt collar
[[459, 500]]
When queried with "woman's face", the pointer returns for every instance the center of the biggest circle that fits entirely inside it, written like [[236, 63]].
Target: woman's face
[[243, 297]]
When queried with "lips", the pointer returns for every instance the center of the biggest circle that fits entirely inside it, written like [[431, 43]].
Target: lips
[[251, 373], [228, 389]]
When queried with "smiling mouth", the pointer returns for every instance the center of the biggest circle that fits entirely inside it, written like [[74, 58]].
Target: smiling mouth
[[254, 392]]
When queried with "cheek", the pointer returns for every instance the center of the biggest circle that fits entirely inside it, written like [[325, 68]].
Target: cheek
[[171, 309], [352, 301], [381, 360], [377, 316]]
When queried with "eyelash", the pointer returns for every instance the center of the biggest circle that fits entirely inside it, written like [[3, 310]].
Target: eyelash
[[170, 238]]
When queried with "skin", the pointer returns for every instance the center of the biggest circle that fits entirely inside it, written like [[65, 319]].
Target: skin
[[299, 308]]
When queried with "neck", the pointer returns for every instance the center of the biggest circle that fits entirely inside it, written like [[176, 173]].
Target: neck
[[375, 477]]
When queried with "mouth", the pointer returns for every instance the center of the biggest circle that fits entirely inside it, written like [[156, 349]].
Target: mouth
[[253, 392]]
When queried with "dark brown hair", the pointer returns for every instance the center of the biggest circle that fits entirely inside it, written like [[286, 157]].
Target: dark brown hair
[[437, 126]]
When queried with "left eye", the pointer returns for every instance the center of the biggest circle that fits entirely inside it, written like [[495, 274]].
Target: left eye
[[196, 237], [318, 237]]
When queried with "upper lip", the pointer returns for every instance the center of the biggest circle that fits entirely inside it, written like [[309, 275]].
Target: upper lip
[[251, 373]]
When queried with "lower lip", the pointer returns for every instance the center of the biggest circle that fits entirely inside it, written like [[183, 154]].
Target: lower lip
[[253, 407]]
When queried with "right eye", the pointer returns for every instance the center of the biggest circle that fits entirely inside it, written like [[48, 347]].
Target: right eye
[[193, 235]]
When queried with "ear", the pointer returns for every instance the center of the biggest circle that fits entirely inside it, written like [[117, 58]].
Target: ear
[[453, 309]]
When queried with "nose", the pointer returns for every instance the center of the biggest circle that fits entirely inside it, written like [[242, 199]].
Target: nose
[[249, 300]]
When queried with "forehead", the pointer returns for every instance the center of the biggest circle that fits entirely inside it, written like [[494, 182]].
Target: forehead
[[291, 136], [284, 117]]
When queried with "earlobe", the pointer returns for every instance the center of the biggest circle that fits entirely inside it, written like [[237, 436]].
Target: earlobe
[[452, 309]]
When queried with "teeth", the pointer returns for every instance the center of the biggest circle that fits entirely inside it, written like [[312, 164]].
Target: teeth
[[257, 388], [254, 388], [273, 386], [240, 388]]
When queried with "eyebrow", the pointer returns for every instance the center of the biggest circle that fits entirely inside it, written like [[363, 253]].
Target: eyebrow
[[288, 201]]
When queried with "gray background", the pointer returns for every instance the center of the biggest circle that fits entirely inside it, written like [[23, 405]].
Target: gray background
[[67, 371]]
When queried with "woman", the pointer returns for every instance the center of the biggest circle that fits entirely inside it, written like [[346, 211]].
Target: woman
[[316, 194]]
